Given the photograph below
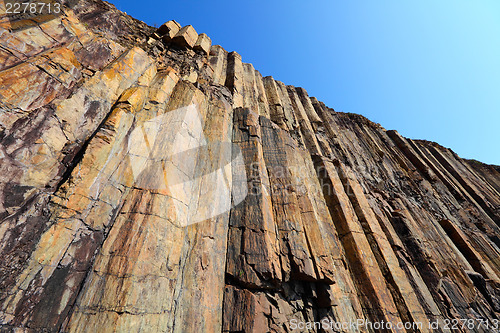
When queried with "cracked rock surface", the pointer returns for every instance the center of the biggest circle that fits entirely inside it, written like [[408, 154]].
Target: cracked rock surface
[[302, 213]]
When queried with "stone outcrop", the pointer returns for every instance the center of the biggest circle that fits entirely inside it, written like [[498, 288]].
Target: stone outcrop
[[203, 43], [167, 31], [153, 182]]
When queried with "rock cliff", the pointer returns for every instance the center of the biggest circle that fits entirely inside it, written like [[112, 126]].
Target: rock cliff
[[153, 182]]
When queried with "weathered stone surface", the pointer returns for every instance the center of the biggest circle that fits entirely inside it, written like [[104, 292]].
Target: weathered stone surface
[[250, 90], [261, 96], [306, 129], [203, 43], [308, 107], [218, 64], [147, 187], [234, 78], [186, 37], [277, 114], [168, 30]]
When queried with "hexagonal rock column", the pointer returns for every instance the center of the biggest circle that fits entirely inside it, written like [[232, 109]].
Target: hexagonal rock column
[[168, 30], [203, 43], [186, 37]]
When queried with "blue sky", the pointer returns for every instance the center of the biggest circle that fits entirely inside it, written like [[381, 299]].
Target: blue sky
[[429, 69]]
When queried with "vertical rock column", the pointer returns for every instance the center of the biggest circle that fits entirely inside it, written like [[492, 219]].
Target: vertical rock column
[[148, 262], [305, 125], [218, 64], [253, 255], [296, 257], [48, 284], [235, 78], [281, 108], [376, 299], [203, 44], [308, 107], [199, 289], [168, 30], [254, 96], [403, 293], [261, 95], [310, 248]]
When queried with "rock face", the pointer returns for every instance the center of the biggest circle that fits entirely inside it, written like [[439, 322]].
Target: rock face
[[151, 182]]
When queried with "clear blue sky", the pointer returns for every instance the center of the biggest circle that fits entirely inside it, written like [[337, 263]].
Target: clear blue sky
[[428, 68]]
